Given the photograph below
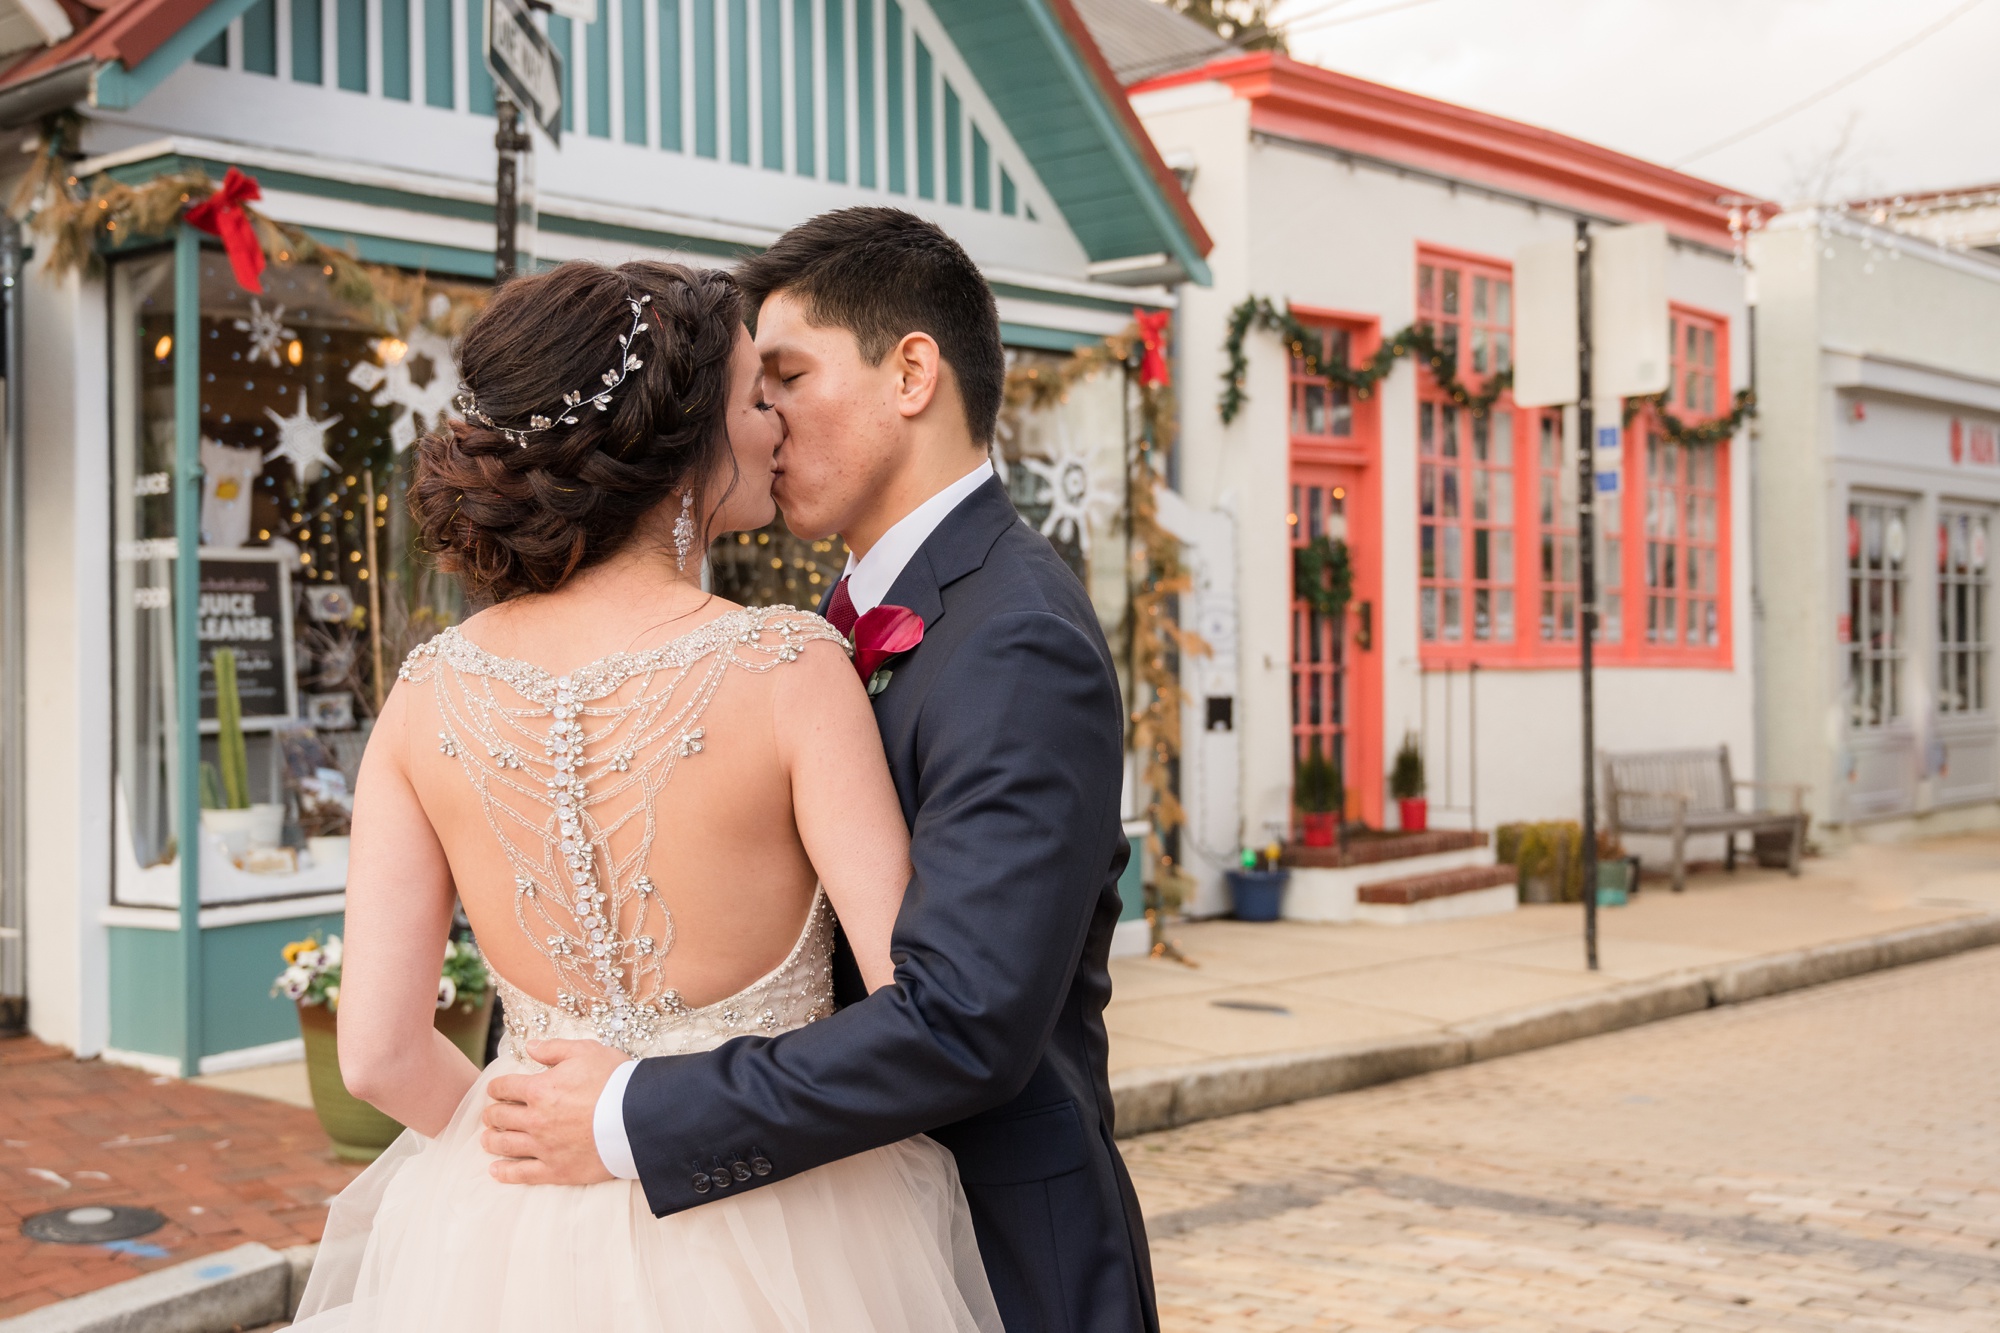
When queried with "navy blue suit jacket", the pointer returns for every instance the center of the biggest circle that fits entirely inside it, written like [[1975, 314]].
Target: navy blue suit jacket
[[1005, 736]]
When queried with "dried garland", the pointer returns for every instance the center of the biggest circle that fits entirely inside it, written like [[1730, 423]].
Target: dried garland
[[1157, 578], [1306, 344], [81, 219]]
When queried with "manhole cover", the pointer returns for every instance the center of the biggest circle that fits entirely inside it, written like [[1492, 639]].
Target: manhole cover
[[92, 1224]]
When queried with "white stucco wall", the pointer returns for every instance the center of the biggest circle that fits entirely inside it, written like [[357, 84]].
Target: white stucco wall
[[1302, 226], [1850, 317], [69, 660]]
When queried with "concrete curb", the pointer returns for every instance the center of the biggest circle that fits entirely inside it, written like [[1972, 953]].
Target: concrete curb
[[1161, 1098], [241, 1288]]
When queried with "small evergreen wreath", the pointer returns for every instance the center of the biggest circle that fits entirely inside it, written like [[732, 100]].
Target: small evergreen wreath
[[1323, 576]]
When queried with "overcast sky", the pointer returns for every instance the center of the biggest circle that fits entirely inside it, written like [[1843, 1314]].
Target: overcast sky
[[1663, 79]]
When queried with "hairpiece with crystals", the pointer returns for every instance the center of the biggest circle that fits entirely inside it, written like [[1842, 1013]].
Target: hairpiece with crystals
[[574, 400]]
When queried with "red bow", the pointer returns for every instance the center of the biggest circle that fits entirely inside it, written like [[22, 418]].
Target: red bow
[[221, 214], [881, 634], [1153, 333]]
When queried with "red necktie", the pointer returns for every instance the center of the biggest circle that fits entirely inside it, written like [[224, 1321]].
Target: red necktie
[[840, 609]]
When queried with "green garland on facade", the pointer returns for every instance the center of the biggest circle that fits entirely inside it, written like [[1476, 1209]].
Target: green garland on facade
[[1305, 343], [1675, 431], [1323, 576]]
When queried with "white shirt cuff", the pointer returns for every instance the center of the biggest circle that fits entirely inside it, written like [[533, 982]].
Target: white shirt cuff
[[607, 1125]]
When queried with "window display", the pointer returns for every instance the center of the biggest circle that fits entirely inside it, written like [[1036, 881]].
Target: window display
[[309, 578]]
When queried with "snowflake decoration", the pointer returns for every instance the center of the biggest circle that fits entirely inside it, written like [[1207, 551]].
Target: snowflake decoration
[[393, 385], [302, 442], [1075, 496], [268, 334]]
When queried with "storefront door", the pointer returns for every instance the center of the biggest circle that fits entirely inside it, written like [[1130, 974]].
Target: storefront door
[[1335, 677]]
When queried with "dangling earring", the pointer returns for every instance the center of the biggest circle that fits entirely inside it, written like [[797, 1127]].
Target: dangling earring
[[684, 532]]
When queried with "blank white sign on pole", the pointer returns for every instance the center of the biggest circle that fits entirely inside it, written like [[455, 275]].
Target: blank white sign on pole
[[1628, 307], [1545, 324]]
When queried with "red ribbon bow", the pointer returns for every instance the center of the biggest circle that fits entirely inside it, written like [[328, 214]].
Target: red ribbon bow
[[221, 214], [882, 633], [1153, 333]]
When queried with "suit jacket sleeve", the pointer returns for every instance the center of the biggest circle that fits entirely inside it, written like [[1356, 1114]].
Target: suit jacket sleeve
[[1020, 755]]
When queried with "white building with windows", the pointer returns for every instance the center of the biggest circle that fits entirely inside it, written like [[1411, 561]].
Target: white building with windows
[[1364, 211], [1878, 365]]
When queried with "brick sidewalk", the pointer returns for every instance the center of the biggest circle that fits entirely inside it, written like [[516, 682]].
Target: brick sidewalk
[[224, 1169]]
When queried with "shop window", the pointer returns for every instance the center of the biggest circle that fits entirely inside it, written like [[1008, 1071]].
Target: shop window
[[1876, 625], [309, 570], [1467, 518], [1321, 409], [1682, 575], [1555, 519], [1964, 649]]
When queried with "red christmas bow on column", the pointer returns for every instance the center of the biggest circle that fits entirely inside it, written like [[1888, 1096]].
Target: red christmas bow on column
[[1153, 333], [221, 214]]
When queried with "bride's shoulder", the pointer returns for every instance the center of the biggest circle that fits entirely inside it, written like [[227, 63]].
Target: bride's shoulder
[[784, 630]]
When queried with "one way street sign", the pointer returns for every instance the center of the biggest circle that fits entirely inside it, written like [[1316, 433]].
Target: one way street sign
[[523, 63]]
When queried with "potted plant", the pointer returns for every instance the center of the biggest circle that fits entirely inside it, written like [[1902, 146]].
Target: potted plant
[[311, 980], [227, 810], [1317, 791], [1406, 784], [1257, 889]]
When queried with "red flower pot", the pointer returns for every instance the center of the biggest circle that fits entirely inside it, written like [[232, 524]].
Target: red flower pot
[[1413, 813], [1317, 830]]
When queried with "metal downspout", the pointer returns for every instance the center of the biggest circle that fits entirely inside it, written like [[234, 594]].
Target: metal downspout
[[187, 648], [13, 651]]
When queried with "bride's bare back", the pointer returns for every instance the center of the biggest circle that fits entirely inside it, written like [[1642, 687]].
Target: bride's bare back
[[633, 835], [621, 830]]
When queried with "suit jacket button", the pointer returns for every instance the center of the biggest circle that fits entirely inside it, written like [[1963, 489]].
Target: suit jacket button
[[700, 1182], [721, 1179], [761, 1165], [739, 1170]]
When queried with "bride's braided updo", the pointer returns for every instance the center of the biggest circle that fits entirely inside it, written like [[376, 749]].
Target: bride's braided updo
[[511, 518]]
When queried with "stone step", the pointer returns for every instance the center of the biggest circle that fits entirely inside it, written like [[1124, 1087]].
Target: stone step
[[1439, 884]]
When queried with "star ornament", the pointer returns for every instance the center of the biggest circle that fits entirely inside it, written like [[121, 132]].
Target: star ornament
[[268, 334], [1075, 496], [302, 442], [393, 383]]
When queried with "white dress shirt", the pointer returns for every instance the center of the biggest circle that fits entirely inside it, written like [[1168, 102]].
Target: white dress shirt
[[869, 580]]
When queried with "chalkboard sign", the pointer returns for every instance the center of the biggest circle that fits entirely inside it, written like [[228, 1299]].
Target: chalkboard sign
[[246, 605]]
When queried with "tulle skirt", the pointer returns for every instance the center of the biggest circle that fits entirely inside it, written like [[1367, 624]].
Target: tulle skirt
[[426, 1240]]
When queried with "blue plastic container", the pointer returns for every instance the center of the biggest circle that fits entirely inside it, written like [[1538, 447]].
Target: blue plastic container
[[1258, 895]]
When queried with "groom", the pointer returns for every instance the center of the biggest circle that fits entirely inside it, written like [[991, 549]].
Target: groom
[[1004, 731]]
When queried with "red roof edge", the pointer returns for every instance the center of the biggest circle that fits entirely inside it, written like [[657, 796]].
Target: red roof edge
[[1341, 111], [1115, 93], [125, 32]]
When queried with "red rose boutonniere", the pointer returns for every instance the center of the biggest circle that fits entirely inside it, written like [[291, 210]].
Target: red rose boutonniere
[[884, 632]]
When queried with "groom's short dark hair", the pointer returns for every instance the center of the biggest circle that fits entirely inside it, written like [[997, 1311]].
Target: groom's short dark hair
[[882, 274]]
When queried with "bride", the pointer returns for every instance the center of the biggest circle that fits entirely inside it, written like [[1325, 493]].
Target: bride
[[651, 803]]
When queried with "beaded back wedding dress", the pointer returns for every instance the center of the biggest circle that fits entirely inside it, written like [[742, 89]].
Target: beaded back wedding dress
[[569, 772]]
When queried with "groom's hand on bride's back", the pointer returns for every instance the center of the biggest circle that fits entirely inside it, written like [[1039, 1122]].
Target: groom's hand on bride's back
[[539, 1125]]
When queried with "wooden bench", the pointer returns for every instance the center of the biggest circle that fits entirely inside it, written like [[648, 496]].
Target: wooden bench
[[1679, 793]]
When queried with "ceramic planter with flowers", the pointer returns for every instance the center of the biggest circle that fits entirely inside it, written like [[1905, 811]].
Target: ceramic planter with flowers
[[311, 980]]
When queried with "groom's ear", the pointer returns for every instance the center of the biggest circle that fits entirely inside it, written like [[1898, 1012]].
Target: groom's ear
[[919, 369]]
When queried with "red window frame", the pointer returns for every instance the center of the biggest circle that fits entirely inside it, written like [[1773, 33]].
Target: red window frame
[[1545, 575]]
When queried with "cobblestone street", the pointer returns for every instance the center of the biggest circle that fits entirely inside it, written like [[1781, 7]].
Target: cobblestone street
[[1828, 1159]]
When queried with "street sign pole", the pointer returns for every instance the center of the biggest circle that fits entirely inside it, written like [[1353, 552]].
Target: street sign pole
[[1586, 540], [509, 141], [527, 77]]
